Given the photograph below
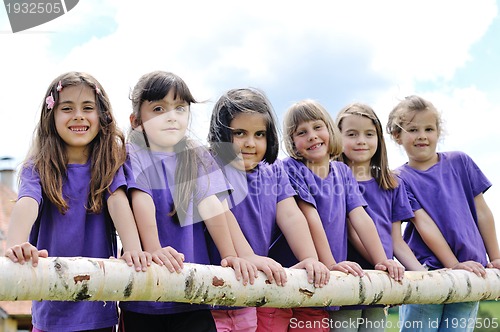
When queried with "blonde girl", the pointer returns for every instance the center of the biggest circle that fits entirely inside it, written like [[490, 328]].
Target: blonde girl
[[328, 193], [453, 226]]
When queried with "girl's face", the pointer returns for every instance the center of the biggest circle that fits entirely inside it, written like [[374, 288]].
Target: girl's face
[[311, 139], [165, 121], [359, 139], [249, 138], [77, 120], [419, 139]]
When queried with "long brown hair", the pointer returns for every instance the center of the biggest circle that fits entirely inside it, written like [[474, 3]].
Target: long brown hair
[[48, 152], [379, 162]]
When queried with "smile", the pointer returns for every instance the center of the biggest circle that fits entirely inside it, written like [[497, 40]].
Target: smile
[[79, 129], [315, 146]]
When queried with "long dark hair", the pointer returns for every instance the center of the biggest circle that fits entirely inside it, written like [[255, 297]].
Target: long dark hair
[[155, 86]]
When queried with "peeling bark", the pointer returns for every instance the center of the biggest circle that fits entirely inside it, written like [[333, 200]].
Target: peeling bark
[[78, 279]]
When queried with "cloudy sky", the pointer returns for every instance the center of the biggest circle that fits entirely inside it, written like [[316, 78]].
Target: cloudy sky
[[336, 52]]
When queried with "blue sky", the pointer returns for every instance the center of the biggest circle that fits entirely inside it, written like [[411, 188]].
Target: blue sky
[[337, 52]]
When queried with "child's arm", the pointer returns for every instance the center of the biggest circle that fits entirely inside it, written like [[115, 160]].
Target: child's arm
[[123, 219], [486, 224], [434, 239], [321, 242], [272, 269], [365, 228], [212, 212], [294, 227], [145, 215], [23, 217], [401, 250]]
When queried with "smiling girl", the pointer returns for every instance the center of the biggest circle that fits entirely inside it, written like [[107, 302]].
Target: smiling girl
[[72, 196], [328, 194], [445, 190], [243, 129]]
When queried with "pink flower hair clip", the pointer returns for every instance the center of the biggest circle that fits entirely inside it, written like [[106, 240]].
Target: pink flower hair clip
[[59, 87], [50, 101], [97, 90]]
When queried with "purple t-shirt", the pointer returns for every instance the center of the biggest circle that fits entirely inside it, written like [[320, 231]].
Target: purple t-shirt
[[446, 191], [76, 233], [384, 207], [254, 201], [334, 197], [154, 174]]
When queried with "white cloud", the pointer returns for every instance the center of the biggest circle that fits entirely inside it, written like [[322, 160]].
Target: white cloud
[[376, 51]]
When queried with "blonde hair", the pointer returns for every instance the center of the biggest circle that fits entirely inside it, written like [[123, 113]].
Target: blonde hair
[[309, 110], [404, 112], [379, 162]]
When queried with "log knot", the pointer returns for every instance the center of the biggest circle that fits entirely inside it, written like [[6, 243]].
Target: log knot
[[306, 292], [81, 278], [217, 282]]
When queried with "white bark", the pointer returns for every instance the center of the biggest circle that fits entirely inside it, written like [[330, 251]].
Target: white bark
[[78, 278]]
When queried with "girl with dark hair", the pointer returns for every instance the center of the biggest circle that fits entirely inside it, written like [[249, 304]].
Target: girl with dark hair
[[176, 191], [243, 136]]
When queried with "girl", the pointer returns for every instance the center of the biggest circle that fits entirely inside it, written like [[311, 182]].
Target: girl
[[174, 185], [328, 194], [71, 184], [243, 126], [432, 178], [365, 153]]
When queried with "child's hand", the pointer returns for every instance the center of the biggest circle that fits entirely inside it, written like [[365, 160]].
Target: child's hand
[[20, 253], [348, 267], [471, 266], [244, 269], [140, 259], [273, 270], [395, 270], [171, 258], [495, 264], [317, 272]]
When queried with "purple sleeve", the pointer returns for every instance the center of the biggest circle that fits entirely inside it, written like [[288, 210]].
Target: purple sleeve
[[298, 180], [401, 209], [414, 204], [30, 185], [284, 186], [118, 181], [136, 169], [354, 198], [211, 179], [477, 178]]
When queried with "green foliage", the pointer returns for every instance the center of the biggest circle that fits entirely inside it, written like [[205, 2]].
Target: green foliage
[[488, 317]]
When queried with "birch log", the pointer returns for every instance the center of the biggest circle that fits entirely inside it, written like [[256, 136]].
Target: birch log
[[77, 278]]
